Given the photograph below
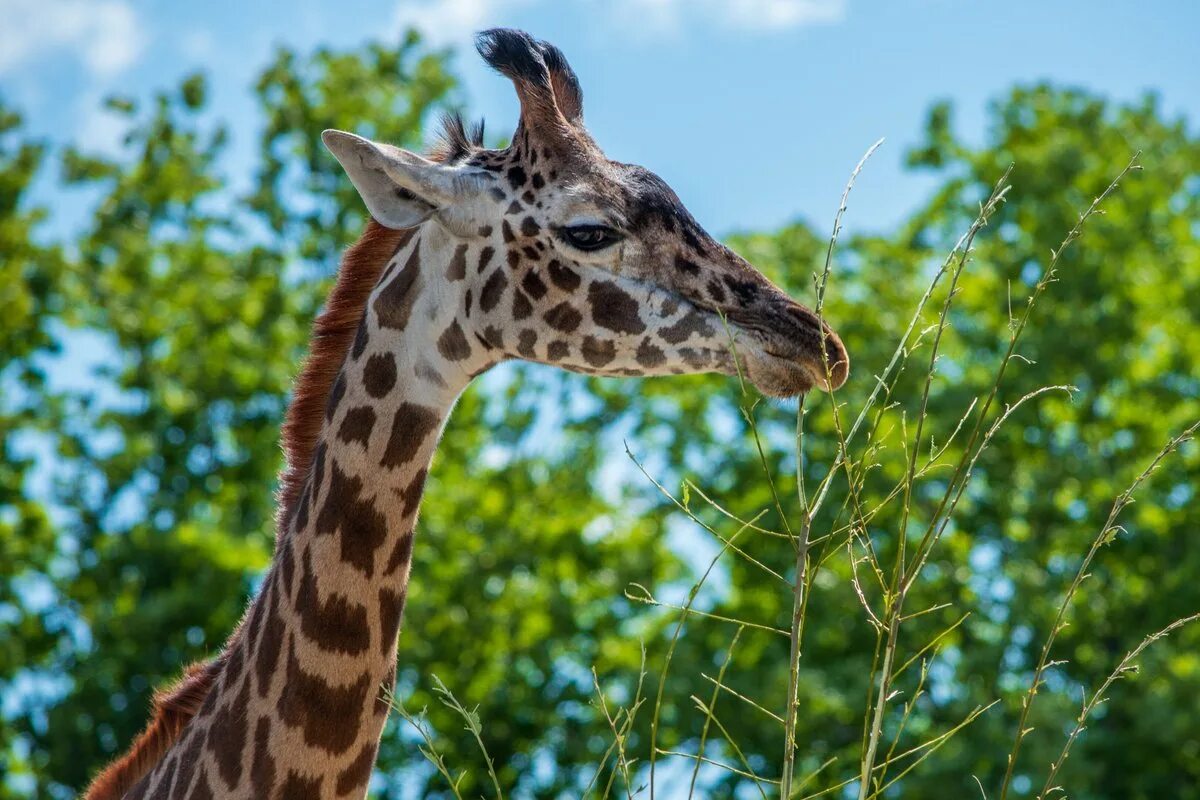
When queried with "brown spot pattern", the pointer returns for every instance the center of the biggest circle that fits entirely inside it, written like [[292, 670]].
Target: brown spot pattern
[[492, 291], [412, 424], [357, 425], [329, 715], [394, 304], [379, 375], [453, 344], [363, 529], [336, 625], [614, 308], [563, 317]]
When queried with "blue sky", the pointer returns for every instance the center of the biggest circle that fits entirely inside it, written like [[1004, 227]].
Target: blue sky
[[754, 110]]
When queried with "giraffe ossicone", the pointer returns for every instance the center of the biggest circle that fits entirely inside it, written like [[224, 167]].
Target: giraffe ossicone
[[544, 251]]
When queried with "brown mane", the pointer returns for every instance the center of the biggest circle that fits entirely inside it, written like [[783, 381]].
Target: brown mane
[[332, 336], [173, 709]]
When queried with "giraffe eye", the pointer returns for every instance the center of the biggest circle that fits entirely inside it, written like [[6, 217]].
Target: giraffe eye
[[589, 237]]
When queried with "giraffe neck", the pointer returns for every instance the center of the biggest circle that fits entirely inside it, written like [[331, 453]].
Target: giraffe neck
[[297, 707]]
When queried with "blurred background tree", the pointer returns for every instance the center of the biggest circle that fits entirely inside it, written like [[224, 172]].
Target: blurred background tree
[[136, 503]]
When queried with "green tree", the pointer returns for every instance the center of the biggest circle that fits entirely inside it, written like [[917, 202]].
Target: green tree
[[201, 297]]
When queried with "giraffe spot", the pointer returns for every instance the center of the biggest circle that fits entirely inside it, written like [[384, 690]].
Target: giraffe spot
[[692, 322], [411, 427], [300, 787], [493, 337], [648, 355], [401, 555], [558, 350], [287, 569], [319, 470], [563, 317], [262, 764], [669, 306], [394, 304], [744, 291], [534, 285], [513, 257], [564, 277], [227, 737], [525, 343], [383, 693], [522, 308], [696, 359], [201, 790], [357, 425], [379, 375], [516, 177], [485, 258], [529, 227], [391, 609], [692, 239], [538, 180], [166, 781], [300, 521], [353, 779], [410, 496], [233, 666], [453, 344], [329, 715], [266, 656], [528, 197], [336, 625], [360, 339], [335, 396], [507, 232], [614, 308], [497, 193], [189, 748], [485, 230], [492, 290], [458, 264], [715, 291], [684, 265], [532, 253], [363, 529], [513, 209], [426, 372], [598, 352], [467, 305]]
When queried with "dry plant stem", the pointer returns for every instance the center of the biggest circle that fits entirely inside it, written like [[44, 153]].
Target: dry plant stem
[[712, 703], [662, 678], [894, 602], [471, 718], [1107, 532], [958, 482], [1126, 666], [799, 596], [429, 750]]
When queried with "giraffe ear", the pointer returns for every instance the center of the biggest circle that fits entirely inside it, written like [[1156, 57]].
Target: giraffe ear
[[400, 189]]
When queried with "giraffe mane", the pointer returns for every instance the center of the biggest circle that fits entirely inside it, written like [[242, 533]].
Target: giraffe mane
[[332, 337], [173, 709]]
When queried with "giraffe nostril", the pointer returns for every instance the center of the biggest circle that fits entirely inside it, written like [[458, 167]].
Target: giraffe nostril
[[839, 361]]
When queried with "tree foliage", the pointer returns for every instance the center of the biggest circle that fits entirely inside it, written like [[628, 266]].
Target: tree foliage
[[136, 504]]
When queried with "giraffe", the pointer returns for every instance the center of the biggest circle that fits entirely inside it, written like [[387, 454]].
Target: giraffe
[[544, 251]]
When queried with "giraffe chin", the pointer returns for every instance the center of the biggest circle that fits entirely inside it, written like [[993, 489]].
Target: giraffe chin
[[783, 378]]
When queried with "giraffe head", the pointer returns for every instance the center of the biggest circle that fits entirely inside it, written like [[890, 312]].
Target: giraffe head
[[554, 253]]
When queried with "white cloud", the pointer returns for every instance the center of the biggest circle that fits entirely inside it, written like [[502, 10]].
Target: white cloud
[[754, 15], [453, 21], [103, 33]]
